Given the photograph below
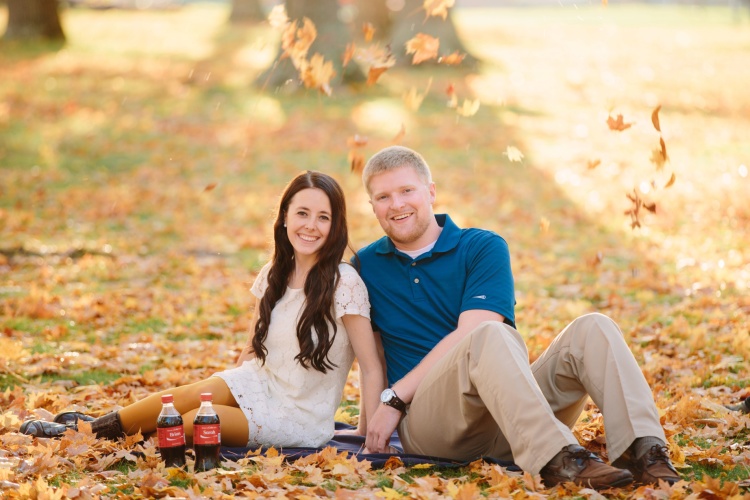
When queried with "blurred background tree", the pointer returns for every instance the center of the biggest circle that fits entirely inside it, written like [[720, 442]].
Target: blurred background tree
[[246, 11], [33, 19]]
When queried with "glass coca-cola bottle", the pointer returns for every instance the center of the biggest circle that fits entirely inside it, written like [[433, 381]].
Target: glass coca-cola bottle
[[206, 435], [171, 433]]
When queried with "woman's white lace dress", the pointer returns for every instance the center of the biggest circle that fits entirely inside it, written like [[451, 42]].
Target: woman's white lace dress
[[286, 404]]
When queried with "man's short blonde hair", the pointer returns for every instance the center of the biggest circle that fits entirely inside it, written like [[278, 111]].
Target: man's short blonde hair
[[394, 157]]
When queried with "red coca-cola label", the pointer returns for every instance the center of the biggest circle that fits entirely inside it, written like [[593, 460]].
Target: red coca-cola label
[[207, 434], [171, 436]]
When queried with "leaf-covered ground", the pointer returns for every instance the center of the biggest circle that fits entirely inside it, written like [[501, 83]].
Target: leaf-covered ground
[[139, 169]]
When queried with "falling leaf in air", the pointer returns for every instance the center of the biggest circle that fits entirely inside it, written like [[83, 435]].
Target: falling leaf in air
[[451, 91], [659, 156], [357, 141], [277, 17], [374, 74], [356, 162], [655, 118], [617, 123], [356, 158], [296, 41], [210, 187], [671, 181], [424, 47], [468, 108], [453, 59], [349, 52], [413, 98], [592, 164], [368, 31], [438, 7], [317, 74], [378, 59], [400, 136], [513, 154], [544, 225]]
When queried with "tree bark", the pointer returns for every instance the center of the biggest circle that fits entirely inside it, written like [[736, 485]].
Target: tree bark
[[246, 11], [33, 19], [332, 39], [376, 13], [411, 20]]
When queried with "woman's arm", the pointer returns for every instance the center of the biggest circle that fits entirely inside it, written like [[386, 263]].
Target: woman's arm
[[367, 349], [247, 351]]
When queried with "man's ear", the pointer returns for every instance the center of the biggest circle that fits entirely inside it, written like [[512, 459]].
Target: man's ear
[[433, 192]]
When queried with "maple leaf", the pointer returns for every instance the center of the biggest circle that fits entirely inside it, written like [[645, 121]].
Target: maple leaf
[[317, 74], [349, 52], [413, 99], [659, 156], [468, 108], [513, 154], [592, 164], [655, 118], [368, 31], [390, 494], [296, 41], [438, 7], [374, 74], [453, 59], [618, 123], [424, 47], [277, 17]]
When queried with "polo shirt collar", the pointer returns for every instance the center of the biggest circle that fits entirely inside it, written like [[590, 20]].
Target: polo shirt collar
[[448, 239]]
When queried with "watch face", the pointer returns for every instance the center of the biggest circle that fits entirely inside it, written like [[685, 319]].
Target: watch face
[[386, 395]]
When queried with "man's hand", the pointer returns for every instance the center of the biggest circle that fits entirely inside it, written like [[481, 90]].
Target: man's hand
[[380, 428]]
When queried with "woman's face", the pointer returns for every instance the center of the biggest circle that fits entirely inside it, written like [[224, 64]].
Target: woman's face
[[308, 222]]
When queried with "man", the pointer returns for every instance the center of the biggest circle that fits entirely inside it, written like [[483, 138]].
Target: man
[[460, 382]]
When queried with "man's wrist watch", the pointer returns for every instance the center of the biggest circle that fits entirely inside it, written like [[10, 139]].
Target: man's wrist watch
[[390, 398]]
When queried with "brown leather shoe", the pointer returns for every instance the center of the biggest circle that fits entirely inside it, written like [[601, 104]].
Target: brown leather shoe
[[653, 466], [580, 466]]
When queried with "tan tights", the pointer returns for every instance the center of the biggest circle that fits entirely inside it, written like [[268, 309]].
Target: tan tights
[[143, 414]]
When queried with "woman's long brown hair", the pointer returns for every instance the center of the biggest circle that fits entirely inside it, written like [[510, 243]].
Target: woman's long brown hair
[[313, 326]]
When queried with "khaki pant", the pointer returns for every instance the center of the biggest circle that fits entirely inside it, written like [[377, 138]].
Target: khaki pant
[[483, 398]]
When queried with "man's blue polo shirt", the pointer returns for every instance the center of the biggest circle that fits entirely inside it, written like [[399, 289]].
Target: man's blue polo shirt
[[416, 302]]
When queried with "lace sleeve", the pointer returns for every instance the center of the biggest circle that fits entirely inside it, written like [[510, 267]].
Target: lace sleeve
[[261, 282], [351, 294]]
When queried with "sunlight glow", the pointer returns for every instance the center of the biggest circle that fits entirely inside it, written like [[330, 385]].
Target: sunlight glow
[[381, 116], [742, 170]]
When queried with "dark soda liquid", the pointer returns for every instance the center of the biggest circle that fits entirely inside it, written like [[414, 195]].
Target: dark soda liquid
[[206, 442], [173, 456]]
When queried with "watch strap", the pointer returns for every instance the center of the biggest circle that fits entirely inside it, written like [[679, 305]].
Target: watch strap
[[396, 402]]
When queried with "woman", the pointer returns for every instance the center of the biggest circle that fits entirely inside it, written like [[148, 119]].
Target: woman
[[311, 318]]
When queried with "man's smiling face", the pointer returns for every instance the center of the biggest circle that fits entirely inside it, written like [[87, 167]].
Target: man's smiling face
[[402, 203]]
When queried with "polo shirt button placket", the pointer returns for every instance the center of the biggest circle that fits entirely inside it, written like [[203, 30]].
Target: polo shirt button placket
[[416, 280]]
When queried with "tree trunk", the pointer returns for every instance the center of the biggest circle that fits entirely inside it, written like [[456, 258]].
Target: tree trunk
[[332, 39], [376, 13], [411, 20], [244, 11], [33, 19]]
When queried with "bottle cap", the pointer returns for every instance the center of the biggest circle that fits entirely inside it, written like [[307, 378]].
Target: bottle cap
[[207, 396], [167, 398]]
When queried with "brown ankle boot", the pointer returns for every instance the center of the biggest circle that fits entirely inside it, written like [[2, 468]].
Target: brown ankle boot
[[577, 465], [108, 426]]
